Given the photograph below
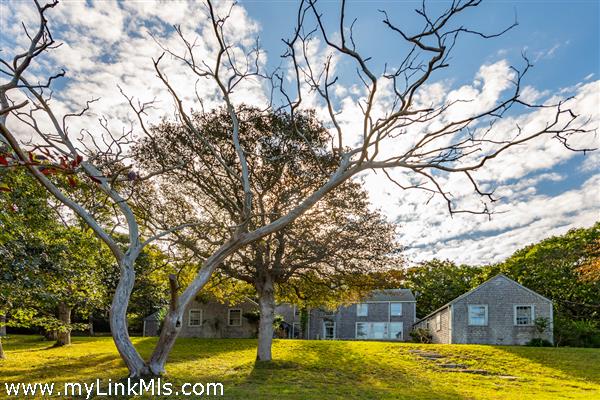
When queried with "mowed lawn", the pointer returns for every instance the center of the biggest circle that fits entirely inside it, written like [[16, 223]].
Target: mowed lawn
[[324, 369]]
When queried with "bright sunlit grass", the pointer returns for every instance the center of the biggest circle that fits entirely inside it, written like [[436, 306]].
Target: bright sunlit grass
[[324, 369]]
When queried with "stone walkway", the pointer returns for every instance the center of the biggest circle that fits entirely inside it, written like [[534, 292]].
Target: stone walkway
[[447, 365]]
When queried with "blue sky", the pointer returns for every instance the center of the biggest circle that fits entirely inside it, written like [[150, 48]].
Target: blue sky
[[570, 26], [544, 189]]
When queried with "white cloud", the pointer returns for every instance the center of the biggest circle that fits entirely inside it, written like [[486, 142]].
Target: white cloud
[[524, 214], [531, 95], [108, 43]]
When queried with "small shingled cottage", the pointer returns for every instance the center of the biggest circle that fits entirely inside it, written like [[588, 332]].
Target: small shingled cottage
[[209, 318], [500, 311]]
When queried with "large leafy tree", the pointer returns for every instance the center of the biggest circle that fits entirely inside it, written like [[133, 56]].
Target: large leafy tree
[[436, 282], [46, 266], [556, 268], [337, 238], [17, 279], [330, 246], [23, 207]]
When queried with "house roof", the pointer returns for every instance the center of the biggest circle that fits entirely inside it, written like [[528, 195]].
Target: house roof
[[392, 295], [477, 288], [155, 316]]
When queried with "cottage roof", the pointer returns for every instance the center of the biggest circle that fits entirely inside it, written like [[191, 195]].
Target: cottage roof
[[392, 295], [499, 276], [155, 316]]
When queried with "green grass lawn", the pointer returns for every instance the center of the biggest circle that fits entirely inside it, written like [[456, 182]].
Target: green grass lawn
[[323, 369]]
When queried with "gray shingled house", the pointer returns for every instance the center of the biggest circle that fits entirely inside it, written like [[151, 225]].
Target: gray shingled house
[[385, 315], [499, 311]]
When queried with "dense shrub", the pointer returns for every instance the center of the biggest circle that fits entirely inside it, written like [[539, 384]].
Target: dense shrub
[[538, 342], [421, 335], [576, 333]]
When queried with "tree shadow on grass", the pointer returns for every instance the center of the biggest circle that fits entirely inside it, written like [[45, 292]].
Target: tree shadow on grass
[[578, 363], [334, 370], [80, 369], [18, 343], [188, 349]]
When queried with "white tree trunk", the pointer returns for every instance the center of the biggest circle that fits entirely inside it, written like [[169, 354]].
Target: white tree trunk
[[266, 301], [118, 322], [63, 336], [1, 350]]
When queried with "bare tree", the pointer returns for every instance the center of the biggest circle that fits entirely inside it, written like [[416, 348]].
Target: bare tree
[[453, 146]]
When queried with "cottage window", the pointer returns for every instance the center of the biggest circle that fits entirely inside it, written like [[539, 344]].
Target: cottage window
[[438, 322], [362, 310], [396, 309], [235, 317], [524, 315], [478, 315], [195, 318]]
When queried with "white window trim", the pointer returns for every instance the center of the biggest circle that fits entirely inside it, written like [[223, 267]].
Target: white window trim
[[190, 316], [515, 314], [357, 308], [438, 322], [469, 314], [401, 309], [229, 316], [334, 330]]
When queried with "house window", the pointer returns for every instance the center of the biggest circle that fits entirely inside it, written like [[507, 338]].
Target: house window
[[362, 330], [396, 309], [235, 317], [524, 315], [438, 322], [478, 314], [362, 310], [296, 331], [379, 330], [195, 318], [328, 330], [296, 311], [395, 331]]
